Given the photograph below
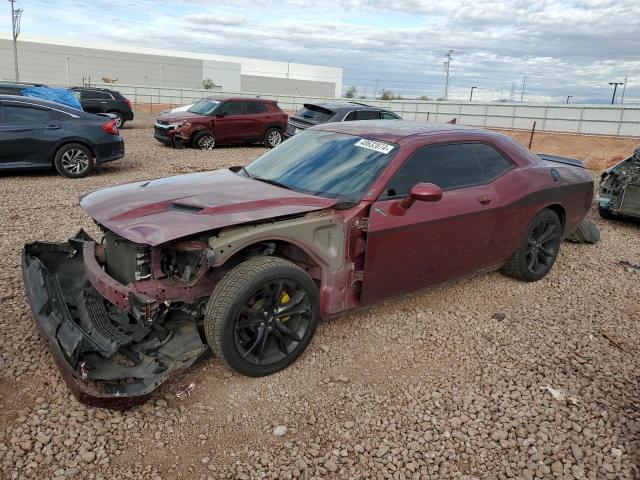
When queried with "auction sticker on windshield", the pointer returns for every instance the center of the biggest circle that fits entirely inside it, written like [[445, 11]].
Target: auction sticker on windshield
[[373, 145]]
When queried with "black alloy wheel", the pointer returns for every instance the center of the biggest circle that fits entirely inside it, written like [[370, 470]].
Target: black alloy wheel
[[273, 322], [538, 249]]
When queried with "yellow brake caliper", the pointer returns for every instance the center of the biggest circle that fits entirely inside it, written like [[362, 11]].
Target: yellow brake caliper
[[284, 298]]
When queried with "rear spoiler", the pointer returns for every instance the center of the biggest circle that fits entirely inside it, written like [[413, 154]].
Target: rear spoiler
[[311, 106], [556, 159]]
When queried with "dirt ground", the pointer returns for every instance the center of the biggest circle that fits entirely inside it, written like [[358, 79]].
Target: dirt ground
[[485, 378]]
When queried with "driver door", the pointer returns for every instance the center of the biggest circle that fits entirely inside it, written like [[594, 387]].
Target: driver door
[[430, 242]]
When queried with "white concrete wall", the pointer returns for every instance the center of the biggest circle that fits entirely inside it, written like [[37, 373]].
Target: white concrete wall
[[222, 69]]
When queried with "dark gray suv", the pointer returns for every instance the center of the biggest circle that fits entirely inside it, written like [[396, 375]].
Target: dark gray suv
[[316, 113]]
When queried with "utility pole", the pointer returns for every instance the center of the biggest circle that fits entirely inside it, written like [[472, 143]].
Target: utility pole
[[568, 97], [615, 89], [68, 77], [471, 96], [624, 88], [162, 75], [447, 65], [375, 89], [524, 81], [15, 23]]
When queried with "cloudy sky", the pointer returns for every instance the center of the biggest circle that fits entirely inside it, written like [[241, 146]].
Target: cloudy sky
[[564, 47]]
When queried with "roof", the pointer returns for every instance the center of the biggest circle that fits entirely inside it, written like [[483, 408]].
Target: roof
[[396, 130], [240, 99], [340, 105], [42, 103]]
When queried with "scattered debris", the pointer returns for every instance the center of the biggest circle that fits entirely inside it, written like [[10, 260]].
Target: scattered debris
[[559, 394], [612, 340], [498, 316], [185, 391], [629, 267], [587, 232], [280, 431], [84, 371]]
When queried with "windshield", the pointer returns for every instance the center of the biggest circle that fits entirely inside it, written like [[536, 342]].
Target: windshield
[[326, 164], [204, 106]]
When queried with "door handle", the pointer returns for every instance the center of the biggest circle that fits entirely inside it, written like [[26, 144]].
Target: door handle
[[53, 127], [485, 199]]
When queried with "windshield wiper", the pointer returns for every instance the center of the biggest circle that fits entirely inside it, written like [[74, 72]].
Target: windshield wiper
[[272, 182]]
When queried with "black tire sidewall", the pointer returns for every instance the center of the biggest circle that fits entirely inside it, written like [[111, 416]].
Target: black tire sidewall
[[226, 343], [266, 137], [58, 160]]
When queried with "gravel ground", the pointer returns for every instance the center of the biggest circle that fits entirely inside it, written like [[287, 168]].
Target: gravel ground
[[483, 378]]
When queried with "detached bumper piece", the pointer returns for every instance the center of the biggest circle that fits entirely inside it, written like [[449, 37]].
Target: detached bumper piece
[[107, 357]]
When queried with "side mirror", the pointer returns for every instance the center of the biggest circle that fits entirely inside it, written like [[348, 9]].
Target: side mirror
[[423, 192], [221, 115]]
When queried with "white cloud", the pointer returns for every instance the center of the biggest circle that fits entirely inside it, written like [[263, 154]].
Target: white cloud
[[565, 47]]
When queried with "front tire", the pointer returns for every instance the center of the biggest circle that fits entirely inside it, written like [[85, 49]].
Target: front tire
[[538, 249], [204, 141], [74, 160], [261, 316], [272, 137]]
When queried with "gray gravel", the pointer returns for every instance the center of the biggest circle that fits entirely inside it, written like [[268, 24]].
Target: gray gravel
[[484, 378]]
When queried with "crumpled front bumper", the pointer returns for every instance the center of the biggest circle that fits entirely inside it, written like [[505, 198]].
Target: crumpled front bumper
[[105, 356]]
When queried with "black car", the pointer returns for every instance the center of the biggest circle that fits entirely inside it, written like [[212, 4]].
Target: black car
[[315, 113], [103, 100], [37, 134]]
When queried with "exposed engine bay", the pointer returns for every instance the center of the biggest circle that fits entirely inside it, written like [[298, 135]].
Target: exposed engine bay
[[619, 192]]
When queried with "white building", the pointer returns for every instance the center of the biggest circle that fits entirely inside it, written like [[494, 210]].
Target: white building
[[64, 62]]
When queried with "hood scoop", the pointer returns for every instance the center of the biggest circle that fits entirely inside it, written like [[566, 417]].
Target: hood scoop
[[182, 207]]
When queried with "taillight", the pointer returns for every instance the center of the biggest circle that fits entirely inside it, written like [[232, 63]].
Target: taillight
[[126, 100], [110, 127]]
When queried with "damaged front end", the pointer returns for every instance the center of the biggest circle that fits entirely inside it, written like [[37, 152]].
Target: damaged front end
[[619, 193], [113, 343]]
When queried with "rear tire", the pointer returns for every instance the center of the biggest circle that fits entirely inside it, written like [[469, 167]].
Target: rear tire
[[204, 141], [538, 249], [74, 160], [272, 137], [261, 316], [120, 120]]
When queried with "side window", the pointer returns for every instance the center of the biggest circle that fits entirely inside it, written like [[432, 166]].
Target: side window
[[350, 116], [448, 166], [389, 116], [94, 95], [30, 115], [367, 115], [492, 162], [232, 108], [252, 108]]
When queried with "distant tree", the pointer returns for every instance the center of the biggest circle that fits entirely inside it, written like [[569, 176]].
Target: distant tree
[[362, 97], [351, 92], [424, 97], [386, 95], [208, 84]]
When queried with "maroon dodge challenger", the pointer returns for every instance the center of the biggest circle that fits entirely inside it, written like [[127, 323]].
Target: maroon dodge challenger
[[246, 261]]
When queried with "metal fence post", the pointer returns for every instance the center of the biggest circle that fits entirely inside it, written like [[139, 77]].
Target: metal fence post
[[580, 121], [620, 122]]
